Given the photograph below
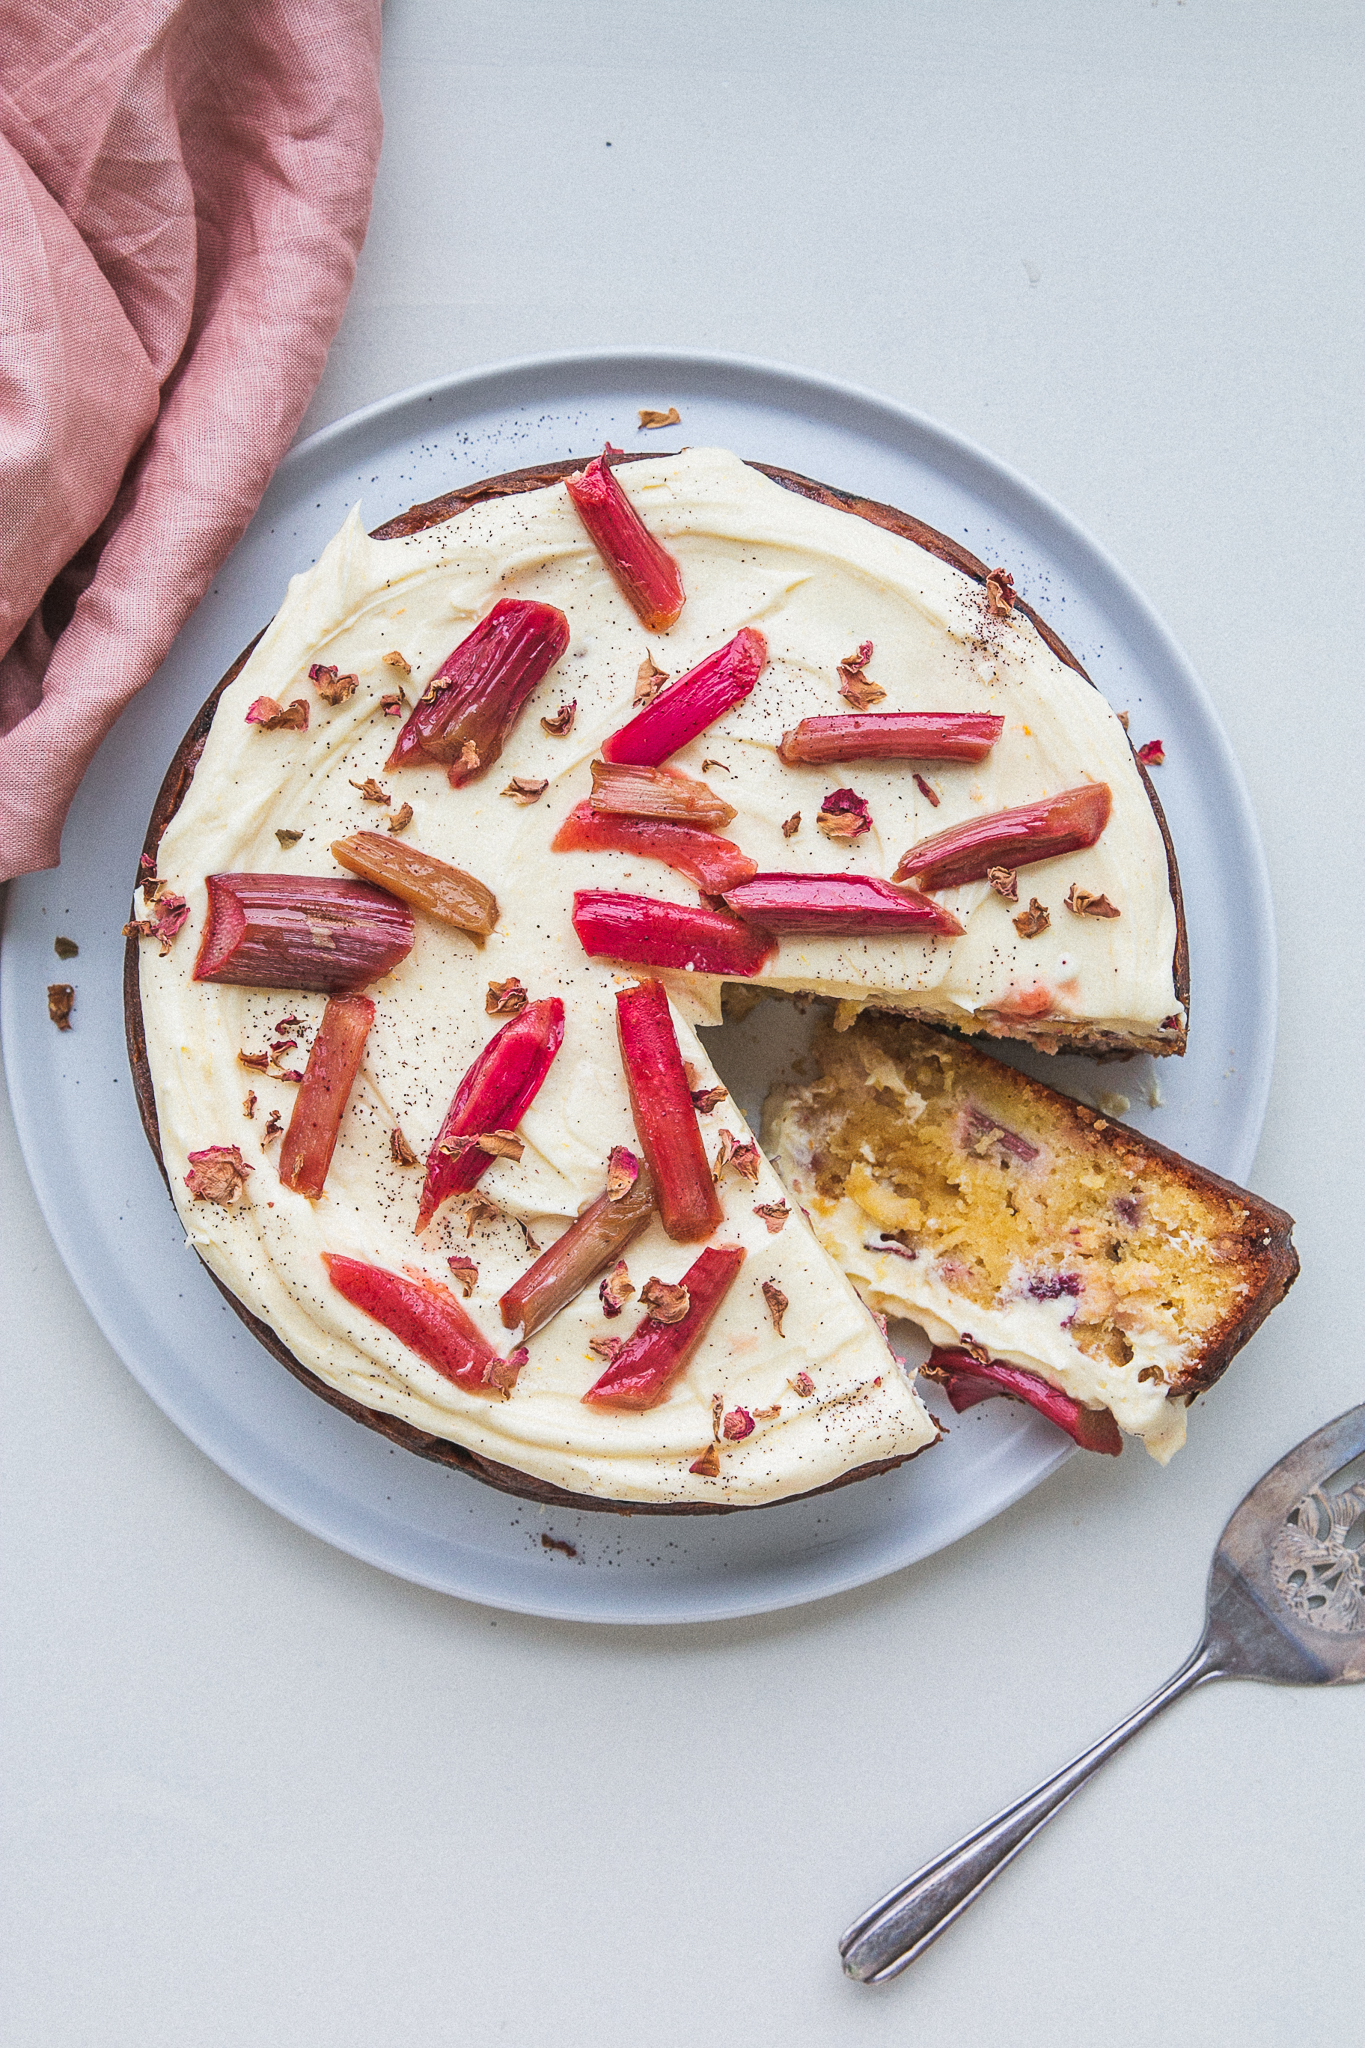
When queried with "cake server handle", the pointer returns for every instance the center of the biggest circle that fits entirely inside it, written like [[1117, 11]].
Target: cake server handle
[[900, 1927]]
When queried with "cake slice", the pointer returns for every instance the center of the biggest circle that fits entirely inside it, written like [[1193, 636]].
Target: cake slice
[[1015, 1225]]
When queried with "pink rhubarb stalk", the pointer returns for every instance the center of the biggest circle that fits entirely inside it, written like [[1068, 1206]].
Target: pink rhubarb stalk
[[968, 1380], [590, 1245], [646, 1366], [494, 1096], [693, 702], [892, 736], [641, 931], [426, 1317], [300, 931], [464, 715], [333, 1063], [665, 1118], [619, 789], [840, 906], [713, 863], [1008, 839], [646, 574]]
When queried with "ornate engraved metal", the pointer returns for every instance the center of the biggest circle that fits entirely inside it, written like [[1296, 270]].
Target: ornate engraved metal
[[1317, 1571]]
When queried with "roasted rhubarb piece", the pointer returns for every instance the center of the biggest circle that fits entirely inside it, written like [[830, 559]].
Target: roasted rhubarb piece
[[647, 1364], [643, 932], [464, 715], [892, 736], [420, 879], [693, 702], [591, 1244], [840, 906], [494, 1096], [968, 1379], [623, 790], [333, 1063], [713, 863], [1011, 839], [300, 931], [424, 1315], [661, 1103], [646, 574]]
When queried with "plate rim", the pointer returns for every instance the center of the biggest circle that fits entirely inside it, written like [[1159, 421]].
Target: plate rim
[[1018, 498]]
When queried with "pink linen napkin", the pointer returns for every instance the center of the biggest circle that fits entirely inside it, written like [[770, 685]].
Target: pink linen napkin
[[184, 189]]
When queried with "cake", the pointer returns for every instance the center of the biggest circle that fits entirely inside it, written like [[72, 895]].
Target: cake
[[328, 767], [1018, 1227]]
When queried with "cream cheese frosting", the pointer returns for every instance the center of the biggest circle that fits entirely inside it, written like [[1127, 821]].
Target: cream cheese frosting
[[816, 582]]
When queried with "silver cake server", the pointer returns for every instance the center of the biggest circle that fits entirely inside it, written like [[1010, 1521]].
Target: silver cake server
[[1286, 1603]]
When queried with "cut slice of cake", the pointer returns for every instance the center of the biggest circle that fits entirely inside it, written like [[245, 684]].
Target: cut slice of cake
[[1015, 1224]]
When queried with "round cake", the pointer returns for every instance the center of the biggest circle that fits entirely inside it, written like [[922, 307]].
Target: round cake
[[717, 1364]]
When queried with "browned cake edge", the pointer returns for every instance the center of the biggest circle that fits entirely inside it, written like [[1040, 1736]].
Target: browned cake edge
[[172, 792], [1264, 1252]]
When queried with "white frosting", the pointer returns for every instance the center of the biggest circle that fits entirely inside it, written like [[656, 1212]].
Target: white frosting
[[817, 582]]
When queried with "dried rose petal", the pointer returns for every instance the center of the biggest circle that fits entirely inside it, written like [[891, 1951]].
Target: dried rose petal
[[393, 659], [259, 1060], [527, 789], [274, 1125], [738, 1424], [286, 837], [649, 417], [704, 1100], [1083, 904], [774, 1214], [623, 1170], [665, 1301], [605, 1347], [616, 1289], [400, 1151], [467, 763], [372, 791], [645, 573], [792, 825], [218, 1174], [393, 703], [927, 791], [649, 680], [475, 1208], [803, 1384], [464, 1271], [271, 716], [768, 1414], [999, 593], [707, 1466], [171, 914], [844, 815], [717, 1414], [857, 688], [777, 1303], [1152, 753], [743, 1158], [60, 997], [400, 819], [562, 722], [1035, 919], [505, 998], [332, 686], [1005, 883], [497, 1144]]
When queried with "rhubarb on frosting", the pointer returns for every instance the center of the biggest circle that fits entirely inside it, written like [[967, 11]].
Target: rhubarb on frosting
[[815, 582]]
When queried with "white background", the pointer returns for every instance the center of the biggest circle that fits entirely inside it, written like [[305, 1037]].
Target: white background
[[261, 1794]]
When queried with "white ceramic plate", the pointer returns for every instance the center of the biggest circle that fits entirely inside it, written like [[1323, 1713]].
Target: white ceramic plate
[[109, 1212]]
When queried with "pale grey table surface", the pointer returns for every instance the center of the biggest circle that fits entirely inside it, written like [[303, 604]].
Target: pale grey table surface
[[261, 1794]]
